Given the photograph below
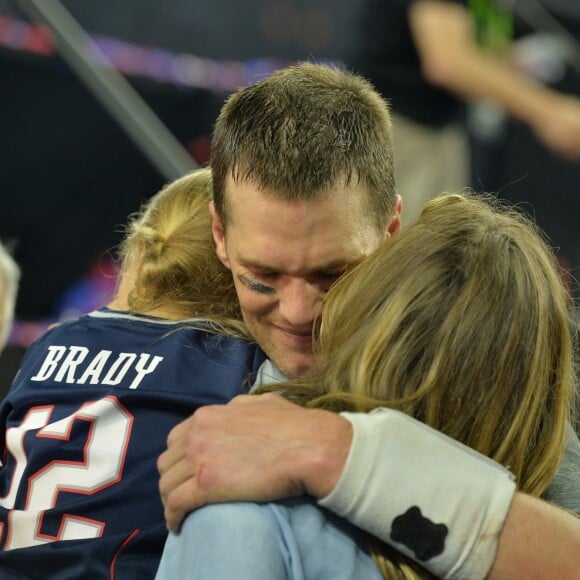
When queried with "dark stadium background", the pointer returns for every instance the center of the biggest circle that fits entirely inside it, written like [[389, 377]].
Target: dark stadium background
[[70, 175]]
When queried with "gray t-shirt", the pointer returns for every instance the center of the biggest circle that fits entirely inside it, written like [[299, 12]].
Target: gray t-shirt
[[564, 490]]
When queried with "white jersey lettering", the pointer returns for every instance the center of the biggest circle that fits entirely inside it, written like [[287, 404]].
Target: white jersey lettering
[[142, 370], [78, 365], [55, 353], [119, 369], [74, 358], [95, 368]]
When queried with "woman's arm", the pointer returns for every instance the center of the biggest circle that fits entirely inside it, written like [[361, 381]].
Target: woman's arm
[[225, 541]]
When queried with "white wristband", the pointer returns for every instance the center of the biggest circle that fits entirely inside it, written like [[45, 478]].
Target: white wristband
[[430, 497]]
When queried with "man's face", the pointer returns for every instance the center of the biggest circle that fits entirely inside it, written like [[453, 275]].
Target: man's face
[[284, 256]]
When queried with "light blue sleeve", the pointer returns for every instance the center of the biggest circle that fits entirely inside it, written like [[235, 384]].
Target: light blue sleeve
[[225, 541]]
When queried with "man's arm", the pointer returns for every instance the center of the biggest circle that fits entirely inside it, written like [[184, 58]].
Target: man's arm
[[261, 448], [250, 450], [450, 58], [538, 541]]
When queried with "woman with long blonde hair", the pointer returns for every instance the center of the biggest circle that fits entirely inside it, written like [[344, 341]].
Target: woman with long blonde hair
[[95, 398], [461, 321]]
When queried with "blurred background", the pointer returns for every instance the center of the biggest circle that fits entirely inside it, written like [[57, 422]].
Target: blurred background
[[71, 174]]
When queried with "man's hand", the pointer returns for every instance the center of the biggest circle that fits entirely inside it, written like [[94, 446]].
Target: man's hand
[[256, 448]]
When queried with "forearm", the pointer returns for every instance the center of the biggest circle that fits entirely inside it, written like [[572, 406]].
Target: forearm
[[477, 76], [488, 531], [317, 461], [538, 541], [433, 499], [451, 59], [261, 448]]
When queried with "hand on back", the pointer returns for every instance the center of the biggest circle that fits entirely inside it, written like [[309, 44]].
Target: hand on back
[[256, 448]]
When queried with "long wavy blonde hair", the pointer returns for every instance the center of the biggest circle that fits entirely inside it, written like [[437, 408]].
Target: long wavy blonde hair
[[461, 321], [170, 239]]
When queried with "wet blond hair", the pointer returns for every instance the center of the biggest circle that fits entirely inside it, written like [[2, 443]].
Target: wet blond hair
[[171, 240], [461, 321], [303, 131]]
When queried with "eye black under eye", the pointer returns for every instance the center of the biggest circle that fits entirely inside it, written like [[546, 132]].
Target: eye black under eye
[[256, 286]]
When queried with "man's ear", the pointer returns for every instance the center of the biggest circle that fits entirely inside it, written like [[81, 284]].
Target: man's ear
[[219, 238], [394, 224]]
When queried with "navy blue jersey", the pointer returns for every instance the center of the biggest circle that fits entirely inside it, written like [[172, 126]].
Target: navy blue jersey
[[85, 420]]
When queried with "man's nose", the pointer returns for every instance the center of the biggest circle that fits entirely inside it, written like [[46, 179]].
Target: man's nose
[[300, 302]]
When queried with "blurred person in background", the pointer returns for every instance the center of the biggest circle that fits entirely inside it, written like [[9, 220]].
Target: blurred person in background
[[429, 59], [9, 279]]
